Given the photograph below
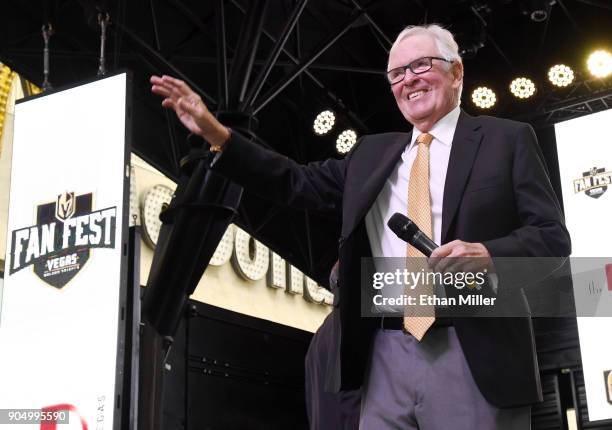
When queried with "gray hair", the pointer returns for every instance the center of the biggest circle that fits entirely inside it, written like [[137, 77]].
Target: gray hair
[[444, 39]]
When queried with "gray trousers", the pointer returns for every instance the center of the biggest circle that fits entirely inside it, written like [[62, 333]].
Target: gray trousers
[[327, 411], [428, 386]]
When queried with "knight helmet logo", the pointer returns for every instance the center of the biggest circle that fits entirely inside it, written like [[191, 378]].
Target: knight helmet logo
[[594, 183], [65, 206], [59, 244]]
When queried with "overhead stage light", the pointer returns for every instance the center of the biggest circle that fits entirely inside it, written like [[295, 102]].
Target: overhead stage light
[[324, 122], [600, 64], [561, 75], [522, 88], [538, 10], [345, 141], [483, 97]]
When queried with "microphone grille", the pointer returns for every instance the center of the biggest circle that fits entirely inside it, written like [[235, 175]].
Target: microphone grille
[[400, 223]]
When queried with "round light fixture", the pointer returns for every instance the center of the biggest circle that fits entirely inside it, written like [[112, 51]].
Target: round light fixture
[[522, 88], [324, 122], [561, 75], [345, 141], [600, 64], [483, 97]]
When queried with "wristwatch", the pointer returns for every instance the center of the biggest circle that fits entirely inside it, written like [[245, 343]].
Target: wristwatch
[[219, 148]]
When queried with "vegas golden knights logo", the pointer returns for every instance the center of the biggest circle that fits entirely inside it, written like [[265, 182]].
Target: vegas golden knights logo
[[64, 208], [59, 244], [593, 183]]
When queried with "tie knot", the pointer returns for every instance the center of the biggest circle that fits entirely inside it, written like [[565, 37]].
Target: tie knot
[[424, 138]]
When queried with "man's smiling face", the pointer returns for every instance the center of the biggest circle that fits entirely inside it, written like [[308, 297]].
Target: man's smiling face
[[425, 98]]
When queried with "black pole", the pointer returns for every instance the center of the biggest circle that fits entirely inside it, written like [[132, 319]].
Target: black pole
[[278, 48], [103, 21], [47, 32], [223, 92], [246, 49]]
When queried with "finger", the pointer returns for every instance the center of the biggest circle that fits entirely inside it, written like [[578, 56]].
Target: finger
[[168, 103], [433, 261], [449, 252], [441, 265], [169, 87], [156, 80], [161, 90], [454, 264], [179, 90], [444, 250], [444, 265], [176, 84], [459, 250]]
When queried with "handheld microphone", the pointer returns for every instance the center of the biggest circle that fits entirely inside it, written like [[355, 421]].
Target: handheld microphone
[[409, 232]]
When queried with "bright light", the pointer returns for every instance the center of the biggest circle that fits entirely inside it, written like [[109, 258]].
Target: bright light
[[522, 88], [561, 75], [600, 64], [345, 141], [324, 122], [484, 97]]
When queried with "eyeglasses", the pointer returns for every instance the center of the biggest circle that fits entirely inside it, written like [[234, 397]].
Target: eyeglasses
[[418, 66]]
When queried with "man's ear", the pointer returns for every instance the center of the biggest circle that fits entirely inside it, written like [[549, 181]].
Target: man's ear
[[457, 70]]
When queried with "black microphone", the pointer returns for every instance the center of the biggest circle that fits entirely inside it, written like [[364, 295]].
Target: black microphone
[[409, 232]]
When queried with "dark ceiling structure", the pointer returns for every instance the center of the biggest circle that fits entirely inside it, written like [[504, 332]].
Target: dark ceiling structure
[[277, 63]]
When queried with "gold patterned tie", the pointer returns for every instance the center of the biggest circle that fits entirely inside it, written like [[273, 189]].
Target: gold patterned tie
[[418, 319]]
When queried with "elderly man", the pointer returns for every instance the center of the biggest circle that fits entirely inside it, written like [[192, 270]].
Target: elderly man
[[477, 185]]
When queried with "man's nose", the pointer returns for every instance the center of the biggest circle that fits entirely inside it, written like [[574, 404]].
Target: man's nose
[[410, 78]]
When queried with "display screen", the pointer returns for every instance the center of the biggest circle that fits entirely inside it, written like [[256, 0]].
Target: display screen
[[64, 266], [584, 146]]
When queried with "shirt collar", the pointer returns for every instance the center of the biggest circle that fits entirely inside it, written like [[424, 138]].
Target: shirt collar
[[444, 130]]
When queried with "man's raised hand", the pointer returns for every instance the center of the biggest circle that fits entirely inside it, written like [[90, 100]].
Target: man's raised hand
[[189, 108]]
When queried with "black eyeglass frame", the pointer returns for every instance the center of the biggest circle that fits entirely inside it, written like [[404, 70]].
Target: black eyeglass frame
[[409, 66]]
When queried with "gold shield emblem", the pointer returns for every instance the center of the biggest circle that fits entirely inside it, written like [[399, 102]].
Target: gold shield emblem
[[65, 206]]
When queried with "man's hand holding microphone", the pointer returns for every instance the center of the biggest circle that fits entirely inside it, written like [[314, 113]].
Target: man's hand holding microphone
[[453, 256]]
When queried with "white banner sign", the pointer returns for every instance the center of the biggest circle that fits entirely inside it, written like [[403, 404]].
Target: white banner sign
[[584, 146], [59, 321]]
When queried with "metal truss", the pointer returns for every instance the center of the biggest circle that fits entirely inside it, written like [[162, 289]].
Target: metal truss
[[239, 92], [581, 98]]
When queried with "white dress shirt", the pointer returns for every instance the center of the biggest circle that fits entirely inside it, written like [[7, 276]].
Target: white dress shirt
[[394, 194]]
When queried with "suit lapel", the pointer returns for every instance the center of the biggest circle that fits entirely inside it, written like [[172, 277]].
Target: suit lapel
[[466, 142], [384, 158]]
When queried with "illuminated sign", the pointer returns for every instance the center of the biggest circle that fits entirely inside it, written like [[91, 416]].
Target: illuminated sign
[[250, 258]]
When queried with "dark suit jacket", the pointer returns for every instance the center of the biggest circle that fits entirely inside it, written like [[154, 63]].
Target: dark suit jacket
[[497, 192]]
